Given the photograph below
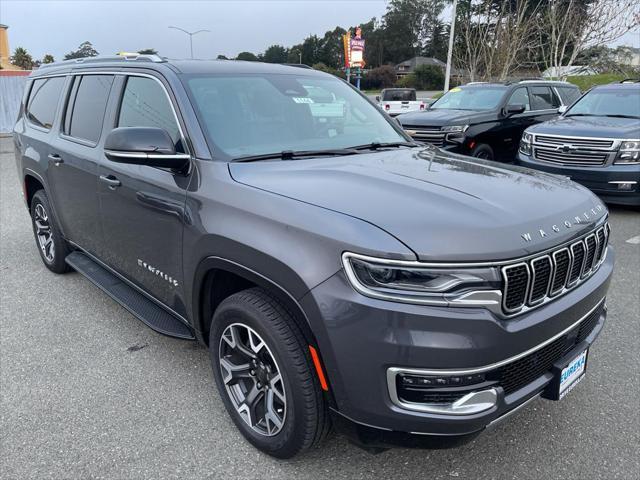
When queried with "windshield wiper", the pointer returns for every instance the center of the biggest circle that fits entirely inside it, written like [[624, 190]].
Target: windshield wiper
[[378, 145], [581, 115], [291, 154], [620, 115]]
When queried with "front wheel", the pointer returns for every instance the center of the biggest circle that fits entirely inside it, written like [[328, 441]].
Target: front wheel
[[262, 369], [484, 151], [52, 247]]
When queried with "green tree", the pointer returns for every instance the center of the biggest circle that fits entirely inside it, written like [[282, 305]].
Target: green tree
[[311, 50], [275, 54], [429, 77], [222, 57], [48, 58], [331, 50], [84, 50], [247, 56], [293, 55], [148, 51], [22, 59]]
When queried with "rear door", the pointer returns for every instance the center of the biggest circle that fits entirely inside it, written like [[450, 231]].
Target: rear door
[[74, 156], [143, 218]]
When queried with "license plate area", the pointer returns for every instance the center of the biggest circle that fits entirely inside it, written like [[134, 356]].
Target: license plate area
[[567, 373]]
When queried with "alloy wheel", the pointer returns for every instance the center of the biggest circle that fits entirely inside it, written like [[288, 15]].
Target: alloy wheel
[[43, 232], [252, 379]]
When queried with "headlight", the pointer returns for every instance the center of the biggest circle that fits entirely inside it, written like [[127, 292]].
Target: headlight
[[454, 128], [409, 282], [525, 143], [629, 152]]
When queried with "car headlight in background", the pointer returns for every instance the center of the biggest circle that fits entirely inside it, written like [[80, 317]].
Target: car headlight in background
[[411, 283], [525, 143], [629, 152], [454, 128]]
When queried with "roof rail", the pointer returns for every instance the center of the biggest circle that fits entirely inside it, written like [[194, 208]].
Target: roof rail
[[299, 65], [123, 57], [630, 80]]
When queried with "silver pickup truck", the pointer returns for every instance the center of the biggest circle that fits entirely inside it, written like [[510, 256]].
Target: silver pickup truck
[[395, 101]]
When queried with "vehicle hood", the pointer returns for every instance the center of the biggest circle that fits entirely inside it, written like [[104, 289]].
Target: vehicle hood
[[441, 117], [590, 127], [442, 206]]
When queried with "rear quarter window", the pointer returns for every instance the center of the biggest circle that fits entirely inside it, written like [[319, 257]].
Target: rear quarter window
[[43, 101]]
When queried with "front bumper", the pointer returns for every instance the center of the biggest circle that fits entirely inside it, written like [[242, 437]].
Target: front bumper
[[361, 339], [606, 182]]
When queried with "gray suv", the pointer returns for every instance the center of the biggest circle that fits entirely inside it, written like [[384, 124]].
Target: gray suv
[[340, 274]]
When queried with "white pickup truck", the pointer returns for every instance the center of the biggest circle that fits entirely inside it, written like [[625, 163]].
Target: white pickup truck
[[395, 101]]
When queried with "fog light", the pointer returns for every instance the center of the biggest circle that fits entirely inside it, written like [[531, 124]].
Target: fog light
[[624, 185], [441, 381]]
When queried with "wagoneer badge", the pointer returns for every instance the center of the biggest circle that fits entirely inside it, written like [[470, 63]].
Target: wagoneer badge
[[569, 223]]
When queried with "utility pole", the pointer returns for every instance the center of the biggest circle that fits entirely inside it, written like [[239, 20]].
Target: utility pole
[[450, 52], [191, 34]]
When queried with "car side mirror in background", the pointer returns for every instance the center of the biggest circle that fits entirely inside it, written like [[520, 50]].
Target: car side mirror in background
[[562, 109], [514, 108], [377, 98], [143, 146]]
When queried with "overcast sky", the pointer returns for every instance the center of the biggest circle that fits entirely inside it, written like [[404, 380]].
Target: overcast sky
[[57, 27]]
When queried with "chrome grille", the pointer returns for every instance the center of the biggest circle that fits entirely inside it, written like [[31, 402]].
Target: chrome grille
[[575, 157], [529, 283], [431, 135], [575, 141]]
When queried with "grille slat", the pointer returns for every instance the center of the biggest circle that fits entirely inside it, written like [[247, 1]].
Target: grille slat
[[562, 261], [516, 286], [530, 283], [577, 141], [432, 135], [541, 269], [574, 158]]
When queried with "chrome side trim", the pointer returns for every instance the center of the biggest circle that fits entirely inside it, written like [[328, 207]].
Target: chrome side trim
[[145, 156], [470, 371]]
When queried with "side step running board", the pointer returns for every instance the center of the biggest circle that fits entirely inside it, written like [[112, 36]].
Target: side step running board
[[140, 306]]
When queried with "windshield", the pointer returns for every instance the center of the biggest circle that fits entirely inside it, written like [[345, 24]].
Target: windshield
[[471, 98], [247, 115], [616, 102], [398, 96]]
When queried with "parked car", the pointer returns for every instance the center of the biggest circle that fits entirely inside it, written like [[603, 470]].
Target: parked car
[[353, 278], [596, 142], [395, 101], [486, 120]]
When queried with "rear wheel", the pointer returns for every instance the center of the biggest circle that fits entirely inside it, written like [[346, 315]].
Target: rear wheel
[[263, 372], [484, 151], [52, 247]]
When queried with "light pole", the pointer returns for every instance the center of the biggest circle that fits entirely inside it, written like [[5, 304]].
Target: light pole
[[191, 34], [450, 52]]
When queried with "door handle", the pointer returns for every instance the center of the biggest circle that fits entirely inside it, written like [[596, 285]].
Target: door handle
[[111, 181], [57, 159]]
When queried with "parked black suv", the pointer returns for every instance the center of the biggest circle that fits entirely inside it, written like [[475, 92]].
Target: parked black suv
[[344, 277], [596, 143], [486, 120]]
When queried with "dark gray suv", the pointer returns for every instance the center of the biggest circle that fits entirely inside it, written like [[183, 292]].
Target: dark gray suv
[[340, 274]]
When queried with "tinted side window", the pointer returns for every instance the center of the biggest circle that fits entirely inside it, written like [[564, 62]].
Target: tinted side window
[[43, 100], [145, 104], [520, 97], [568, 94], [543, 98], [88, 106]]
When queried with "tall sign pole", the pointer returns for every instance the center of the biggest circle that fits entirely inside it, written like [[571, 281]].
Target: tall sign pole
[[450, 52]]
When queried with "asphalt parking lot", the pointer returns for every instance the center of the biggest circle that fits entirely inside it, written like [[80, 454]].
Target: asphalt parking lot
[[88, 391]]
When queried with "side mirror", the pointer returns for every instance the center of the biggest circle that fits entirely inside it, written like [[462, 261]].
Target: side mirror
[[514, 109], [143, 146], [377, 98], [562, 109]]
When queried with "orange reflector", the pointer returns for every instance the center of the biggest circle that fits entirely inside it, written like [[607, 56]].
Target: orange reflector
[[318, 365]]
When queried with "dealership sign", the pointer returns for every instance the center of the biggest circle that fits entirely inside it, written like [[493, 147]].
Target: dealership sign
[[353, 49]]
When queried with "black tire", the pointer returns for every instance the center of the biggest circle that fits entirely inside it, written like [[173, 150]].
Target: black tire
[[306, 418], [483, 151], [53, 255]]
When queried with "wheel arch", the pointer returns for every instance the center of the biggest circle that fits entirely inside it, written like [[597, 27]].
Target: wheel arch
[[207, 294], [32, 183]]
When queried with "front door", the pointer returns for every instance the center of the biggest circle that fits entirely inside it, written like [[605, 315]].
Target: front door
[[142, 207]]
